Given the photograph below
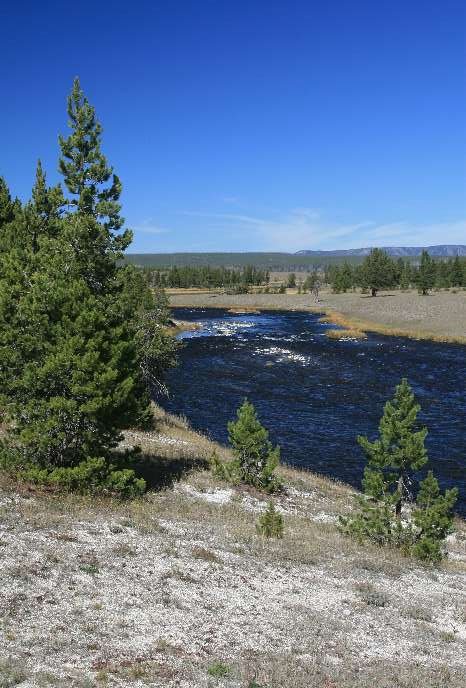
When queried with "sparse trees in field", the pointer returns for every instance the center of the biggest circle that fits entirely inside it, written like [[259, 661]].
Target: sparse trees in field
[[388, 512], [291, 283]]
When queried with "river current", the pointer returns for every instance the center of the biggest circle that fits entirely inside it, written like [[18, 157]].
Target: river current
[[316, 394]]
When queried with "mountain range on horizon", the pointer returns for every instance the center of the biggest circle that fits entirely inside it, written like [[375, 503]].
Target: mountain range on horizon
[[440, 251]]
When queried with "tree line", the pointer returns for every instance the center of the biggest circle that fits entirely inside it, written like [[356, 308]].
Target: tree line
[[380, 271], [82, 336], [206, 276]]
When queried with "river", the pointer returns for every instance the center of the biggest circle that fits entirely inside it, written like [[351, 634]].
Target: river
[[316, 394]]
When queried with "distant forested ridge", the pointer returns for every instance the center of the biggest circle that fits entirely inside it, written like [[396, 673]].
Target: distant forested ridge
[[302, 261], [438, 251]]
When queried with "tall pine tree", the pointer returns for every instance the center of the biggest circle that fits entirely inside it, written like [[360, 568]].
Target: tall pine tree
[[72, 365]]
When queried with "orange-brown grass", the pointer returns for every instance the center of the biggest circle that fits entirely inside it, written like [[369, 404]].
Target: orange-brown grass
[[364, 326]]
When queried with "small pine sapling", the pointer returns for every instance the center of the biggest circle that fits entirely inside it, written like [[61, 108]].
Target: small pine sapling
[[433, 518], [387, 513], [270, 522], [257, 458]]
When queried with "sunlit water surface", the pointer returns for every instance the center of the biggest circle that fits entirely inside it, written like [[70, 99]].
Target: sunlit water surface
[[314, 394]]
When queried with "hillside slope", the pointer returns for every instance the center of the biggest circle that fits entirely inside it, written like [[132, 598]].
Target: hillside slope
[[177, 589]]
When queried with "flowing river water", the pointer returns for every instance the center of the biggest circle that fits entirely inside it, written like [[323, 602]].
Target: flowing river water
[[316, 394]]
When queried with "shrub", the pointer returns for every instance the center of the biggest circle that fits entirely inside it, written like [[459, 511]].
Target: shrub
[[219, 670], [225, 470], [93, 476], [270, 523]]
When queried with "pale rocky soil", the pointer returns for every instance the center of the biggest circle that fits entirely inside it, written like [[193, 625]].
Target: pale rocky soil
[[440, 314], [157, 591]]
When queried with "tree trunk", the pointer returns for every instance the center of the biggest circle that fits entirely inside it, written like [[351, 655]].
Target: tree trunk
[[400, 490]]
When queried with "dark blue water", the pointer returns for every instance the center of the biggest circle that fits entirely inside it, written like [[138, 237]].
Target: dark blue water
[[315, 395]]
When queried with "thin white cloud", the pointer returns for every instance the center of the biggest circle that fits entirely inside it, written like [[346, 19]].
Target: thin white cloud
[[305, 228], [149, 227]]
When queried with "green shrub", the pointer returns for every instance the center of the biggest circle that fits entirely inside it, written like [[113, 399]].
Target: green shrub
[[225, 470], [219, 670], [94, 476], [270, 523]]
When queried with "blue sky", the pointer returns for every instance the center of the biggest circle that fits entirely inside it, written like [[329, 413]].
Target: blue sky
[[252, 125]]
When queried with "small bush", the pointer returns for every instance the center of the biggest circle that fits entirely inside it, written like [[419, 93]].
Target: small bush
[[371, 596], [219, 670], [11, 673], [225, 470], [94, 476], [270, 523]]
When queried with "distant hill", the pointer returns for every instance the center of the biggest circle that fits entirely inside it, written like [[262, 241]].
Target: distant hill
[[291, 262], [440, 251]]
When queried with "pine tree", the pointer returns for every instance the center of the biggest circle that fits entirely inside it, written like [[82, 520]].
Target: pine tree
[[73, 345], [389, 485], [398, 453], [405, 276], [426, 274], [270, 522], [41, 215], [9, 210], [86, 172], [433, 518], [257, 458], [456, 275], [7, 206], [377, 271]]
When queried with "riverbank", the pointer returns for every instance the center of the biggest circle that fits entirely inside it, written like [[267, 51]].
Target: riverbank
[[441, 316], [178, 589]]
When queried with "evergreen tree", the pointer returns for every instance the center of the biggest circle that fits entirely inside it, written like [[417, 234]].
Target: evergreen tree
[[270, 522], [405, 276], [342, 278], [433, 518], [426, 273], [393, 460], [456, 275], [95, 190], [377, 271], [256, 457], [7, 205], [74, 346], [291, 284], [398, 453]]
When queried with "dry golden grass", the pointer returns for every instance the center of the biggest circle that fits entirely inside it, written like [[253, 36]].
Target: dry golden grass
[[349, 333]]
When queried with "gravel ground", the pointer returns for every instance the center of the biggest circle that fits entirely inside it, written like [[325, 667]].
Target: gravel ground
[[179, 590], [441, 314]]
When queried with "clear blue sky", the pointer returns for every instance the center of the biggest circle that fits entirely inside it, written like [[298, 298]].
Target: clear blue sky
[[252, 124]]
